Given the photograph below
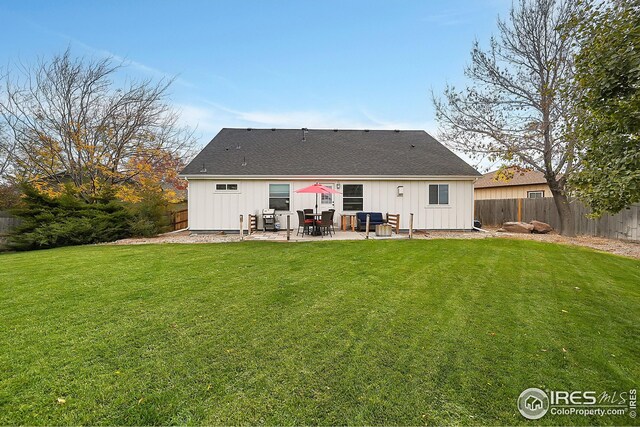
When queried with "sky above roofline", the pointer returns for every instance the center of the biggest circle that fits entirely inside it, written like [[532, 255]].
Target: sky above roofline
[[284, 64]]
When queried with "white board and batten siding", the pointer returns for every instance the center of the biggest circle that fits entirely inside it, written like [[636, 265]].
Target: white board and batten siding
[[210, 209]]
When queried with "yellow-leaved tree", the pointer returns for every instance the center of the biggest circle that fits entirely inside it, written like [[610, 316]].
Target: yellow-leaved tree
[[65, 124]]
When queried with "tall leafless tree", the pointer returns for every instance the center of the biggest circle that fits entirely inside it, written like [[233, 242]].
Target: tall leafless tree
[[513, 109], [7, 147], [66, 120]]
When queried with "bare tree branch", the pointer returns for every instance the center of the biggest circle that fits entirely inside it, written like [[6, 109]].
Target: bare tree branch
[[66, 121], [514, 110]]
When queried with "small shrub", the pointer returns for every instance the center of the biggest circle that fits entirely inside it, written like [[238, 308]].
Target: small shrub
[[149, 216], [144, 228]]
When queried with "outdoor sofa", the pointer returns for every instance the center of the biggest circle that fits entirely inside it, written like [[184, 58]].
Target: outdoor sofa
[[375, 218]]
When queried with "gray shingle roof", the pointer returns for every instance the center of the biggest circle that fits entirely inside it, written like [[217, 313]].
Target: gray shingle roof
[[326, 153], [520, 177]]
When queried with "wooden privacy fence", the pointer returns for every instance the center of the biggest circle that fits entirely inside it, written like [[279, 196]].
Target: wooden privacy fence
[[624, 225], [7, 223], [179, 219]]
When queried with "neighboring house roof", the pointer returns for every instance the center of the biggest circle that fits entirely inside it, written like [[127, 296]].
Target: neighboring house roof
[[277, 152], [520, 177]]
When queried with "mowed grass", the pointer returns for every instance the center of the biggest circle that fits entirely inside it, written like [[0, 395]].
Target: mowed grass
[[362, 332]]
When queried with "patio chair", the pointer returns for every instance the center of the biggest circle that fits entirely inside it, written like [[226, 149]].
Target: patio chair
[[308, 211], [303, 223], [333, 215], [325, 222]]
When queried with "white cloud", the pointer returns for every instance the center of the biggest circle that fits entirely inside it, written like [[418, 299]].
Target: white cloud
[[211, 117], [288, 119], [428, 125], [140, 67], [447, 17], [339, 118]]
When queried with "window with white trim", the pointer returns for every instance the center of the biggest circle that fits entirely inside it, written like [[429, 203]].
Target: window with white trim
[[279, 196], [438, 194], [535, 194], [327, 198], [352, 197], [226, 187]]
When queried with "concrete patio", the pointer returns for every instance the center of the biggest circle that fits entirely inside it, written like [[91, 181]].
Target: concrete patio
[[281, 236]]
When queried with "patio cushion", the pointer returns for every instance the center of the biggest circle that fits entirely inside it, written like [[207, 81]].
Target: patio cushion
[[375, 218]]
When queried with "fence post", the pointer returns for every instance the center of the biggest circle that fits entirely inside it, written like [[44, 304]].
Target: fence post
[[366, 236], [411, 225], [241, 228], [519, 210], [288, 223]]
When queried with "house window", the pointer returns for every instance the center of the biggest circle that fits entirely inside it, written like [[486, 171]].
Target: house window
[[535, 194], [352, 199], [226, 187], [327, 199], [438, 194], [279, 196]]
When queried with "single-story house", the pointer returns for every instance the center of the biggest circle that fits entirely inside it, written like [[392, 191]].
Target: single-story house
[[521, 184], [243, 171]]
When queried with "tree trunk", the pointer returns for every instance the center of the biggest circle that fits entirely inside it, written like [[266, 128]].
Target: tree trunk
[[567, 226]]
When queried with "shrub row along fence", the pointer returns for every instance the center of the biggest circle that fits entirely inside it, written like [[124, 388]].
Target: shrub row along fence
[[178, 220], [625, 225]]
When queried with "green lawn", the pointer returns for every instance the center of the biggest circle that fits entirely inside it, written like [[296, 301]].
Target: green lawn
[[360, 332]]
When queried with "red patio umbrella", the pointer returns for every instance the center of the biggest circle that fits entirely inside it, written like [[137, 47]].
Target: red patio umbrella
[[317, 189]]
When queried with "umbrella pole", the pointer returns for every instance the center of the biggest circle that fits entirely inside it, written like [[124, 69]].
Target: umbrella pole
[[315, 219]]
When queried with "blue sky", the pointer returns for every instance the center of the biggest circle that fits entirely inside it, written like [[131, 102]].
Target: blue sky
[[346, 64]]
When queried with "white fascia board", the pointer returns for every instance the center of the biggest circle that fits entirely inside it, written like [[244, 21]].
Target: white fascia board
[[336, 177]]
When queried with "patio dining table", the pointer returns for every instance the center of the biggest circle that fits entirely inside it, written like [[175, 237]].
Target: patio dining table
[[316, 226]]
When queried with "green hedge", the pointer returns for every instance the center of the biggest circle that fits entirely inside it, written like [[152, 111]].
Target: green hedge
[[49, 222]]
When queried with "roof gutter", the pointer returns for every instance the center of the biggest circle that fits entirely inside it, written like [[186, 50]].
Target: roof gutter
[[507, 185], [335, 177]]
